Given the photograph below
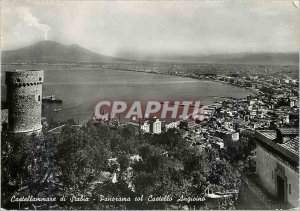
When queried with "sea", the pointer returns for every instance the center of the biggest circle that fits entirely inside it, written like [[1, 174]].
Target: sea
[[81, 88]]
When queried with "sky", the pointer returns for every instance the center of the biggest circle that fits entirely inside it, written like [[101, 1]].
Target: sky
[[132, 29]]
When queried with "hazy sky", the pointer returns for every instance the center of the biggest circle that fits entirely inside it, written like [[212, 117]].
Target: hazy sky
[[120, 28]]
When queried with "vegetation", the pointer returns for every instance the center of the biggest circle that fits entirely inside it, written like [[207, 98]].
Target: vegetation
[[97, 160]]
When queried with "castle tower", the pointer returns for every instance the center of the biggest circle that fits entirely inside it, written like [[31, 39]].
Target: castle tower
[[24, 97]]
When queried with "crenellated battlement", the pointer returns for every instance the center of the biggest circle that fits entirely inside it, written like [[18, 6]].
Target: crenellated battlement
[[25, 77], [20, 84]]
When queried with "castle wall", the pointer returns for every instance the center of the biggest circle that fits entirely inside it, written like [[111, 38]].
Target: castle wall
[[24, 96]]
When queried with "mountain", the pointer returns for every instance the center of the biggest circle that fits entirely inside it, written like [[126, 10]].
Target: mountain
[[290, 58], [266, 58], [54, 52]]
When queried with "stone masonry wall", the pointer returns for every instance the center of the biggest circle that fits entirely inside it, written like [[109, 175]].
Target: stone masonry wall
[[24, 97]]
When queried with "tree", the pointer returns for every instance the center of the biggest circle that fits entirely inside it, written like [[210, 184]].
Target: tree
[[78, 157]]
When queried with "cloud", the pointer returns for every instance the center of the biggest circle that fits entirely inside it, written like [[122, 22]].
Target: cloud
[[19, 26], [155, 27], [33, 21]]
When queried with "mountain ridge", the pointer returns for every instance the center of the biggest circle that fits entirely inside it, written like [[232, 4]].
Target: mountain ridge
[[54, 52]]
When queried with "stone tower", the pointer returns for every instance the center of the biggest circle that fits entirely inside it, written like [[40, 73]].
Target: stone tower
[[24, 97]]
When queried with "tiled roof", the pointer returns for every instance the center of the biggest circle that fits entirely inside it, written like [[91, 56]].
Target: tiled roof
[[292, 145], [289, 149], [289, 131], [270, 134]]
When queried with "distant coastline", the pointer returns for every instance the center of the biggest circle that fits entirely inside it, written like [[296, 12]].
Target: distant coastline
[[180, 76]]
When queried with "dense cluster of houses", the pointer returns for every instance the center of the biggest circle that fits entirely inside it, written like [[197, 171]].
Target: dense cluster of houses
[[271, 116]]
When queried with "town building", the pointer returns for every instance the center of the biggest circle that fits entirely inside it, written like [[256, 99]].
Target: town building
[[145, 127], [155, 126], [275, 185], [151, 126], [170, 125]]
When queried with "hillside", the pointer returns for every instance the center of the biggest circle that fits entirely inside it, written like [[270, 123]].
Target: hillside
[[54, 52], [266, 58], [290, 58]]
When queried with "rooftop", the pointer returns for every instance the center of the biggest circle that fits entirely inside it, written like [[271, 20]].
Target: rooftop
[[23, 71], [289, 131], [270, 134], [288, 151], [292, 145]]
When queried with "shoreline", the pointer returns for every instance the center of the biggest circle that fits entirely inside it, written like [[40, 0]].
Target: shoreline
[[253, 91], [180, 76]]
